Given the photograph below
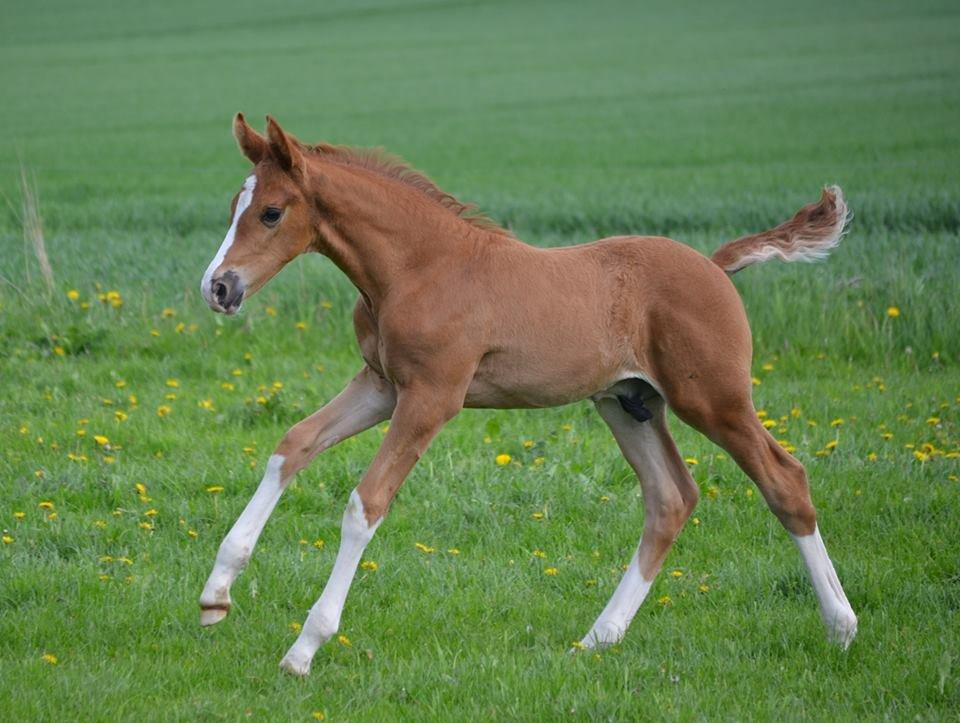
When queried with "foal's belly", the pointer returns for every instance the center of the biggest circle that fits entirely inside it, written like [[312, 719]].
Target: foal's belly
[[506, 382]]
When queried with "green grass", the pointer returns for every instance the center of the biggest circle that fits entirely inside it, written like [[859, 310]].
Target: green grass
[[567, 122]]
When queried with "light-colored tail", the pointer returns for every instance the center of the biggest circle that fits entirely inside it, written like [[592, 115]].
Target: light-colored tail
[[808, 236]]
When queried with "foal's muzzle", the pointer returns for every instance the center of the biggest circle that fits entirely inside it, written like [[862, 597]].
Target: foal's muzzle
[[226, 293]]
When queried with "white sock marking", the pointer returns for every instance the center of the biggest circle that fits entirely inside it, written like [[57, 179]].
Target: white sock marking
[[613, 622], [324, 618], [837, 614], [237, 546], [243, 202]]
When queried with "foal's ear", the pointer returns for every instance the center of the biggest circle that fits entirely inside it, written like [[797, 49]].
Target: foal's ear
[[253, 145], [285, 149]]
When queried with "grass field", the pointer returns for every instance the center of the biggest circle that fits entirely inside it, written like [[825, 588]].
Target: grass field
[[124, 409]]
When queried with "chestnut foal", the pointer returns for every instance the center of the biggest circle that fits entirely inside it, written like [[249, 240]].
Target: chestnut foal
[[455, 312]]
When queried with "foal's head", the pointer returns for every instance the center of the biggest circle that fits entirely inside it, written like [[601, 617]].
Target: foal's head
[[272, 218]]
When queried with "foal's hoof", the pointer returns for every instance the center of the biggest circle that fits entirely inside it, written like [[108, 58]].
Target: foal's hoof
[[295, 665], [212, 615], [602, 635], [842, 628]]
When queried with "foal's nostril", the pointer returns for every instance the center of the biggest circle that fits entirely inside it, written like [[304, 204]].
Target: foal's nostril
[[220, 292]]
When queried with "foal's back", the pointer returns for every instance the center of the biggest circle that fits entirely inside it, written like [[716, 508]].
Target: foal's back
[[567, 323]]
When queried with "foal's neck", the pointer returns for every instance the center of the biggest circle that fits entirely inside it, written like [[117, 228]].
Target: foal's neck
[[381, 232]]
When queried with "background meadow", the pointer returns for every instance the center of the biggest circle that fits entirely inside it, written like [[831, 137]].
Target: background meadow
[[135, 424]]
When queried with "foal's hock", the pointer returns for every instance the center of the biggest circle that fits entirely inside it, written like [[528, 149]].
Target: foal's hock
[[454, 311]]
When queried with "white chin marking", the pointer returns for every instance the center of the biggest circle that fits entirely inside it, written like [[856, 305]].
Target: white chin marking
[[243, 202]]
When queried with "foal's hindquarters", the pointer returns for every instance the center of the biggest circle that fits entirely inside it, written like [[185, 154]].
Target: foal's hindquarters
[[697, 359]]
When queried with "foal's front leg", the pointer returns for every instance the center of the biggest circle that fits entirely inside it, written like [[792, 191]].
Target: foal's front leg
[[366, 401], [418, 417]]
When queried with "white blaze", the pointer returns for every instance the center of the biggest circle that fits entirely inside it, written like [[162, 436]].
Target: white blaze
[[243, 202]]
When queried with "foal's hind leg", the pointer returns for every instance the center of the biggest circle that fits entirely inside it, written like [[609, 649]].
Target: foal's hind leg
[[669, 496], [725, 413], [367, 400]]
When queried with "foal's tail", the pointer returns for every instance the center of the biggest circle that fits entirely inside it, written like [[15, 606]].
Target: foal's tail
[[808, 236]]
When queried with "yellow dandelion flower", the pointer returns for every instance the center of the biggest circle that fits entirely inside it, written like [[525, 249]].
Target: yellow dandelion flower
[[538, 461], [921, 456], [319, 715], [150, 513], [49, 658], [163, 410], [7, 539], [769, 423], [528, 443], [551, 571], [45, 505], [893, 312], [344, 641], [19, 515], [59, 350], [695, 520], [100, 524], [173, 383], [872, 457], [691, 461], [426, 549], [121, 415], [761, 414], [831, 445], [453, 551], [933, 421], [676, 573], [369, 565], [713, 492], [206, 404], [300, 326], [326, 304], [704, 588], [168, 312], [228, 386], [665, 600], [101, 440], [215, 489], [577, 645], [540, 553], [537, 515], [755, 382], [604, 498], [154, 332], [836, 423], [295, 627], [146, 525], [503, 459], [170, 396], [73, 294], [768, 367], [319, 543], [104, 578]]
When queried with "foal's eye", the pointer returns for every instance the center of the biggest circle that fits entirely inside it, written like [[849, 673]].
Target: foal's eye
[[271, 215]]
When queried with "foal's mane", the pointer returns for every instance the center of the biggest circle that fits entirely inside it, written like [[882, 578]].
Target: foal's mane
[[379, 161]]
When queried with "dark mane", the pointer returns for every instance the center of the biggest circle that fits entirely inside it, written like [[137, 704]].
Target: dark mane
[[386, 164]]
